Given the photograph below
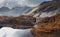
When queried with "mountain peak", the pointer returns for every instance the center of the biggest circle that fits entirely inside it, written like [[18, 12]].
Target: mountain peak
[[48, 7]]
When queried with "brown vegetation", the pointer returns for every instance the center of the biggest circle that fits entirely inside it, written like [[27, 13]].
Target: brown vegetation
[[17, 22], [48, 27]]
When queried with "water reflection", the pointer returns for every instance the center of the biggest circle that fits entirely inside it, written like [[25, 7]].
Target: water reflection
[[10, 32]]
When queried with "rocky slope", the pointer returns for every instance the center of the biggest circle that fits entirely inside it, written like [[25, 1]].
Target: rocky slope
[[47, 7], [49, 25], [17, 22]]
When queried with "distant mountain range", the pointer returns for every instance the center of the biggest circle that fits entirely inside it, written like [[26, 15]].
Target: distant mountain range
[[14, 11]]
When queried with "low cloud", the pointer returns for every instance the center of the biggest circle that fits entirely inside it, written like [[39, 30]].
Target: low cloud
[[20, 3], [7, 5]]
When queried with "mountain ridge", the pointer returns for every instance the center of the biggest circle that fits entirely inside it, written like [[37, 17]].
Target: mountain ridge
[[48, 26]]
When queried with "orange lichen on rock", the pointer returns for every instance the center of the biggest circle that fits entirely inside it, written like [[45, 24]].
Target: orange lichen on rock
[[48, 27]]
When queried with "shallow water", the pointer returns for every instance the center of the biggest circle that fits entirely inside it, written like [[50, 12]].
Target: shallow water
[[10, 32]]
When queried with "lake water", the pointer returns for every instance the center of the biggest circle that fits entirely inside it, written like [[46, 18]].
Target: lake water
[[10, 32]]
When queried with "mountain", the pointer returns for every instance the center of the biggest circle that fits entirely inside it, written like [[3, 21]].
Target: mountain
[[49, 25], [20, 10], [20, 22], [5, 11], [49, 8], [44, 19]]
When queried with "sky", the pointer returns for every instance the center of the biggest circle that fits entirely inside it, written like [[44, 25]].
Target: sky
[[24, 6], [20, 3]]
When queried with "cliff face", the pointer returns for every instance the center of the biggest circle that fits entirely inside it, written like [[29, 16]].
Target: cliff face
[[48, 26]]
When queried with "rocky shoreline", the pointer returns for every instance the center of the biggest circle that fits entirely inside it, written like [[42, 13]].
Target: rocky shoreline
[[17, 22]]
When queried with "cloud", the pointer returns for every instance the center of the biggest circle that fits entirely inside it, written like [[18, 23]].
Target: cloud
[[20, 3], [20, 6]]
